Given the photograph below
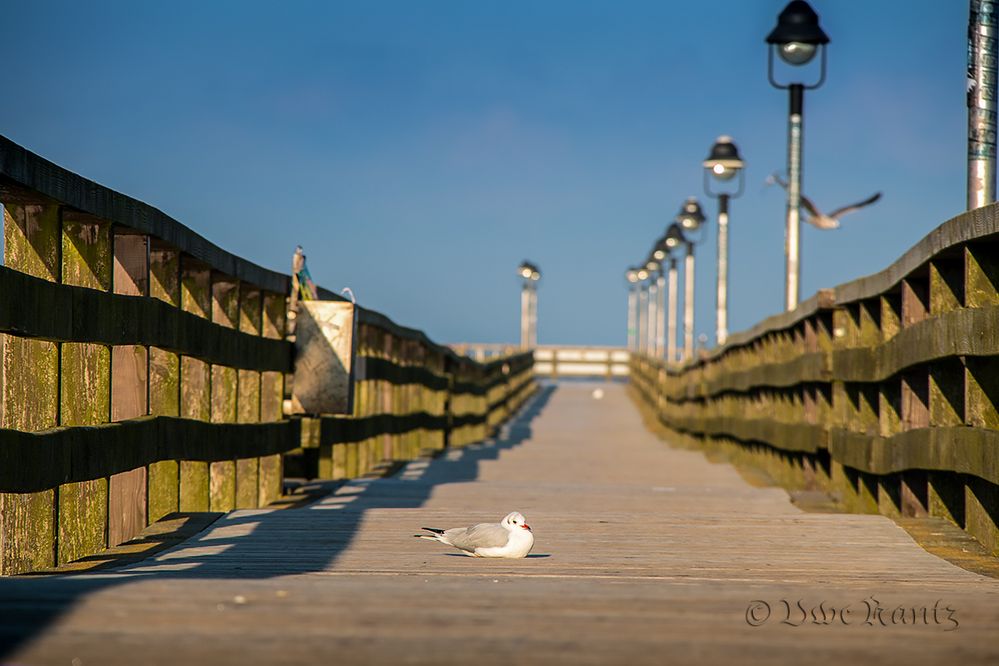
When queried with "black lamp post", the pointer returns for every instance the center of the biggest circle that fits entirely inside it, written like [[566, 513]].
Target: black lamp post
[[796, 39], [723, 164]]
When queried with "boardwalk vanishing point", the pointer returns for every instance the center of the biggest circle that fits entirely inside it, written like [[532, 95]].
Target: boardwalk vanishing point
[[645, 554]]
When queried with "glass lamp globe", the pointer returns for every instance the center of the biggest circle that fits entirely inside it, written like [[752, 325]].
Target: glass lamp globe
[[797, 53]]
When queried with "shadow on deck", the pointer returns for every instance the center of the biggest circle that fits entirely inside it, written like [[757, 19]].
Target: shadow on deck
[[255, 544]]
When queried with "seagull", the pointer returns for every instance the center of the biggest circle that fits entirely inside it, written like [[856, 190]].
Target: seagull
[[511, 538], [815, 216]]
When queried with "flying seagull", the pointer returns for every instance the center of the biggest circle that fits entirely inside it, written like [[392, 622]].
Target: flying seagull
[[511, 538], [815, 216]]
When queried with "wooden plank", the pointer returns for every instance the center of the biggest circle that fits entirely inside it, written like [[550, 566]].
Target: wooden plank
[[131, 264], [27, 531], [126, 505], [74, 314], [164, 382], [702, 544], [164, 272], [194, 486], [222, 485], [981, 274], [163, 487], [85, 389], [33, 240], [223, 394], [82, 520], [129, 382], [86, 251], [248, 398], [247, 483], [30, 462], [270, 478]]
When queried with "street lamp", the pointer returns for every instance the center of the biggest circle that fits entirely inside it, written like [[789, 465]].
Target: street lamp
[[723, 164], [631, 275], [643, 310], [652, 332], [797, 38], [690, 219], [673, 239], [659, 254], [529, 274]]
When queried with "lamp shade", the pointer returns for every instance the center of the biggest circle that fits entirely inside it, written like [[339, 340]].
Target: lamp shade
[[798, 34], [690, 216], [798, 23], [674, 236], [724, 161]]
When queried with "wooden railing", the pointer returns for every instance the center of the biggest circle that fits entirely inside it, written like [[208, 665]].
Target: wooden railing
[[144, 370], [884, 390], [554, 361]]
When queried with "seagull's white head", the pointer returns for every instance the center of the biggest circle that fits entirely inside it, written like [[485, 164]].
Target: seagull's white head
[[515, 521]]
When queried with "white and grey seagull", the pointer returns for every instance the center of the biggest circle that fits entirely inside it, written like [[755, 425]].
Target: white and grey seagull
[[511, 538], [815, 217]]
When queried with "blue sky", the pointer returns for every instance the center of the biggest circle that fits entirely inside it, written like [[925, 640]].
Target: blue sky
[[420, 150]]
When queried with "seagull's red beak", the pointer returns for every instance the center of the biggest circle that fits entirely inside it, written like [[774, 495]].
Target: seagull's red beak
[[526, 527]]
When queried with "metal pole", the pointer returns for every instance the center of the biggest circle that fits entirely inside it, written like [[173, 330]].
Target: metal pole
[[688, 303], [981, 103], [533, 317], [671, 325], [632, 313], [792, 237], [643, 320], [525, 316], [650, 345], [661, 313], [721, 311]]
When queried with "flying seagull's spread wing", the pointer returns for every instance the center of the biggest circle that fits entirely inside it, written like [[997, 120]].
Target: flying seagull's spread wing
[[839, 212]]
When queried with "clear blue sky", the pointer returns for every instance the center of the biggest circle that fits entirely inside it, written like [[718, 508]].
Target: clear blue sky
[[420, 150]]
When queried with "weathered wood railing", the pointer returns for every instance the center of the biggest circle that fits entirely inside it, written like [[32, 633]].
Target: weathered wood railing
[[144, 369], [884, 389]]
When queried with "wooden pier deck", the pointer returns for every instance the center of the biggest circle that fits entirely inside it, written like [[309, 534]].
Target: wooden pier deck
[[644, 554]]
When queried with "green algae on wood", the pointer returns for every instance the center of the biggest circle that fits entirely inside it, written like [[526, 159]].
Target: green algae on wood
[[163, 488], [82, 519], [194, 493]]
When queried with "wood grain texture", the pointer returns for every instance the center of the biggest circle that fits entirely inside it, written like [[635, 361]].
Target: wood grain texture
[[77, 314], [646, 555]]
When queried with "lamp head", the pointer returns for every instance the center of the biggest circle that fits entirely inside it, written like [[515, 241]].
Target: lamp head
[[525, 270], [643, 274], [660, 250], [690, 216], [798, 35], [631, 275], [674, 236], [724, 161]]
